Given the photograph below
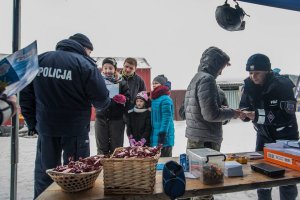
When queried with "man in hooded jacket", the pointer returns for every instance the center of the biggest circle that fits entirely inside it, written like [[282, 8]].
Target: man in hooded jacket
[[203, 107], [57, 104]]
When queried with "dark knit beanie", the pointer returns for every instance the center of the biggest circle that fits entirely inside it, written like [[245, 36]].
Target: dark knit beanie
[[83, 40], [111, 61], [258, 62], [161, 79]]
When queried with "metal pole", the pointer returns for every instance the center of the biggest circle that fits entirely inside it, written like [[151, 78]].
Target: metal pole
[[15, 119]]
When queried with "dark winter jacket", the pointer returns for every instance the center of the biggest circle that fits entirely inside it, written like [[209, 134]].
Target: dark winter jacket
[[203, 111], [274, 105], [58, 101], [139, 124], [115, 111], [136, 84]]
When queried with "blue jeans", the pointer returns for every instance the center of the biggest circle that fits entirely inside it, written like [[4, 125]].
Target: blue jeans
[[48, 155], [287, 192]]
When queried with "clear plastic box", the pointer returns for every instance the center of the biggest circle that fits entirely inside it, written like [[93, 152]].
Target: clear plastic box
[[207, 164]]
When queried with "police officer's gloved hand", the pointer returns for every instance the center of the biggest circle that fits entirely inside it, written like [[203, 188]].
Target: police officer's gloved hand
[[161, 137], [32, 132]]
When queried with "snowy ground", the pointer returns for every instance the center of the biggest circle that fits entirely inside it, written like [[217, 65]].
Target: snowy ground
[[238, 137]]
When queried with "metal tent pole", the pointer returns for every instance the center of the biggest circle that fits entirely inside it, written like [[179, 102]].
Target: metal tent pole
[[15, 118]]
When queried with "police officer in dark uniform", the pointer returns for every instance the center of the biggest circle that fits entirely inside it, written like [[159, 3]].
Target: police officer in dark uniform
[[58, 105], [271, 105]]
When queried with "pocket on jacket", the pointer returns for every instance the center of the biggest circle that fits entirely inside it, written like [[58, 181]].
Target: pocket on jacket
[[288, 132]]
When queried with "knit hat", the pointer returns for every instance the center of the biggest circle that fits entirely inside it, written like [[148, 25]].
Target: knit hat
[[142, 95], [83, 40], [258, 62], [111, 61], [161, 79]]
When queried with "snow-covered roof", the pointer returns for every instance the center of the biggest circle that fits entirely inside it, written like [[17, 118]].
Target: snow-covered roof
[[229, 83], [141, 62]]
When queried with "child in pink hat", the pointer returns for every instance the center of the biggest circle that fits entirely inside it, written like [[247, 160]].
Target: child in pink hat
[[139, 119]]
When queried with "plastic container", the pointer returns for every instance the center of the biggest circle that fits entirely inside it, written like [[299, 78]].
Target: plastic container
[[207, 164]]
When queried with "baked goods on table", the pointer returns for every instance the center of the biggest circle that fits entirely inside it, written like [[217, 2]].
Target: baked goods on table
[[238, 158]]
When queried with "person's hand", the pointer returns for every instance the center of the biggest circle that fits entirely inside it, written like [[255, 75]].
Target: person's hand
[[32, 132], [243, 115], [161, 137], [143, 140], [131, 140], [120, 99], [250, 114], [236, 113]]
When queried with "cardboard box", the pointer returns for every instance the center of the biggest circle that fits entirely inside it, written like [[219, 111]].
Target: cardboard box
[[282, 158], [233, 168]]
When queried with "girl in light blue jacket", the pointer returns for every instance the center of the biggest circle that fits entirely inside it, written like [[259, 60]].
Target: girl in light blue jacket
[[162, 110]]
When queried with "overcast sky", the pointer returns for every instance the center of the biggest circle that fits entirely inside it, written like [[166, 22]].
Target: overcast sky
[[170, 34]]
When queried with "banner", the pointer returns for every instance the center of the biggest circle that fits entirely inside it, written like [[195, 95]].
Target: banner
[[18, 70]]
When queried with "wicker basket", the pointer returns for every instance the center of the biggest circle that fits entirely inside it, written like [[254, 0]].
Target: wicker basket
[[130, 175], [70, 182]]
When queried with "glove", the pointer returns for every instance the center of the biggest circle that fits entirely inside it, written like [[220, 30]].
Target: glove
[[120, 99], [143, 141], [32, 132], [161, 137], [131, 141]]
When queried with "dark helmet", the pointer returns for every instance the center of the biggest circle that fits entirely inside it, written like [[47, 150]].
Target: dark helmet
[[230, 19]]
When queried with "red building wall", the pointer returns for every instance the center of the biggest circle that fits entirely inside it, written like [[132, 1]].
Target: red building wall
[[145, 74]]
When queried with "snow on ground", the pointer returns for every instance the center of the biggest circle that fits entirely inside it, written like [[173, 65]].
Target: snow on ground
[[238, 137]]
